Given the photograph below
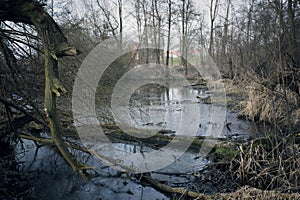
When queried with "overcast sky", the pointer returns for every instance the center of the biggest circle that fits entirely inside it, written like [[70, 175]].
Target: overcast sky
[[130, 24]]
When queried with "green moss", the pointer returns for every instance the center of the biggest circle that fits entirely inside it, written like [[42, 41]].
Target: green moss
[[225, 152]]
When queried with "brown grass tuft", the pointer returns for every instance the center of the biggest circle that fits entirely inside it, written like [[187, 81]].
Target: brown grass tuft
[[278, 107]]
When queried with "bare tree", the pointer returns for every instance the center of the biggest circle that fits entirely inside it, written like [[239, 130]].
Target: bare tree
[[213, 12], [169, 31], [157, 26], [187, 14], [120, 6]]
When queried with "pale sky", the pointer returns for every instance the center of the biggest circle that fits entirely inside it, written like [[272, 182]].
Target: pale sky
[[129, 22]]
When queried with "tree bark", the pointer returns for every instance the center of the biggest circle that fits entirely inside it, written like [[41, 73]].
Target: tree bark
[[120, 4], [55, 46], [213, 10], [169, 31]]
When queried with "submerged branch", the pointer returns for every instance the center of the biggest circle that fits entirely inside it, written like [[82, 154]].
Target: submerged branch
[[181, 191]]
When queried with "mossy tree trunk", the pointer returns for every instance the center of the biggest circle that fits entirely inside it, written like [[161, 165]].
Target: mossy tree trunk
[[55, 46]]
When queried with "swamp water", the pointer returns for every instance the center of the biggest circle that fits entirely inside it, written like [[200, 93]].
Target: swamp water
[[158, 109]]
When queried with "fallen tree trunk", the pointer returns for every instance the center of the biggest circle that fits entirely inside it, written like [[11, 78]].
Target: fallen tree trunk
[[55, 46], [242, 193]]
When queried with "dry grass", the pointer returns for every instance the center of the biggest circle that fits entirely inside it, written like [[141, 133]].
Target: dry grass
[[269, 163], [278, 107], [247, 193]]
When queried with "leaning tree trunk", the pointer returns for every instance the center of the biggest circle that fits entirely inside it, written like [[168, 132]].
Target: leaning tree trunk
[[55, 46]]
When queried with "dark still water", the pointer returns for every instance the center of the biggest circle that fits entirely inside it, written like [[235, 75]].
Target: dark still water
[[43, 174]]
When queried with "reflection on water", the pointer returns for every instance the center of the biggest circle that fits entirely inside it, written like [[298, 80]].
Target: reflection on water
[[162, 108], [153, 107], [159, 108], [54, 179]]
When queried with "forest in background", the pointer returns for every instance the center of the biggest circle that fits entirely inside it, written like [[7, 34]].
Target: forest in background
[[254, 43]]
